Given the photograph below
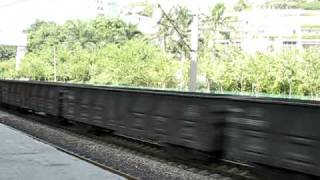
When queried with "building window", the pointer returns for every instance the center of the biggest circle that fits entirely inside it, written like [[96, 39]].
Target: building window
[[289, 44]]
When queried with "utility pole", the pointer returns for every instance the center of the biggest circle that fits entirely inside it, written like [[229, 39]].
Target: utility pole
[[194, 48], [21, 50], [54, 64]]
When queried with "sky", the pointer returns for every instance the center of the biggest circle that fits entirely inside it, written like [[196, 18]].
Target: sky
[[17, 15]]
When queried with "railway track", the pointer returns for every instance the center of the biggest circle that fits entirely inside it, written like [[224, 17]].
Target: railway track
[[219, 170]]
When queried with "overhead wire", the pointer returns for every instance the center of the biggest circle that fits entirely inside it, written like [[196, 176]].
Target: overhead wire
[[12, 3], [175, 27]]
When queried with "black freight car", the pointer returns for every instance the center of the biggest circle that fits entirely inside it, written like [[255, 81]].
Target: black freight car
[[173, 119], [266, 131], [277, 133], [170, 118], [37, 96]]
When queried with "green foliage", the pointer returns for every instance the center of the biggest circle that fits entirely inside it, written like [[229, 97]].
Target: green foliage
[[289, 72], [312, 36], [242, 5], [97, 32], [218, 19], [311, 26], [145, 6], [216, 24], [313, 5], [43, 34], [37, 66], [76, 43], [132, 63], [7, 69], [112, 31], [110, 52], [217, 14], [174, 31], [7, 52], [147, 9], [136, 63], [294, 4]]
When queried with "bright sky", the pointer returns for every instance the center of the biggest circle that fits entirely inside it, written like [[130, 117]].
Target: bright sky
[[16, 15]]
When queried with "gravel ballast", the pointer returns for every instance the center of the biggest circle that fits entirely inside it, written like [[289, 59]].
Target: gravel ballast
[[136, 165]]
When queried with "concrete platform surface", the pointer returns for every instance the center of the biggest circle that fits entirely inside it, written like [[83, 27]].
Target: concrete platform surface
[[24, 158]]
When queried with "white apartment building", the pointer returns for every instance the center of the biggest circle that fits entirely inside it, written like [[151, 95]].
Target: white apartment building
[[274, 30], [257, 29], [20, 42]]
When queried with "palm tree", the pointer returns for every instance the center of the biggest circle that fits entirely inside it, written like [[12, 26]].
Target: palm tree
[[214, 25], [174, 31]]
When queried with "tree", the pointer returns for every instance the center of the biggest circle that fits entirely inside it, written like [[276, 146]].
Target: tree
[[103, 51], [218, 21], [242, 5], [108, 51], [7, 69], [97, 32], [42, 34], [174, 31], [309, 73], [76, 43], [37, 66], [215, 25], [78, 32], [135, 63], [112, 31], [293, 4], [311, 5], [146, 8], [7, 52]]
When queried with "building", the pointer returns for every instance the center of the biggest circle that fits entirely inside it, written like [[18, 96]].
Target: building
[[20, 41], [109, 8], [257, 30], [129, 12], [278, 29]]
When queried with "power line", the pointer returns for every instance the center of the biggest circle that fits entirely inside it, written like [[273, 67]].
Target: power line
[[12, 3], [194, 45], [175, 27]]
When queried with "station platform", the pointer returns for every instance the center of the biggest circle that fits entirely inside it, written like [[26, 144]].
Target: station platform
[[25, 158]]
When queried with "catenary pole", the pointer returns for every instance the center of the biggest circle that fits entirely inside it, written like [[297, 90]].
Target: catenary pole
[[54, 64], [194, 48]]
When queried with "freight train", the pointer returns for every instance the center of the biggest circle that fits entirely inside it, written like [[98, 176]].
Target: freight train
[[278, 134]]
